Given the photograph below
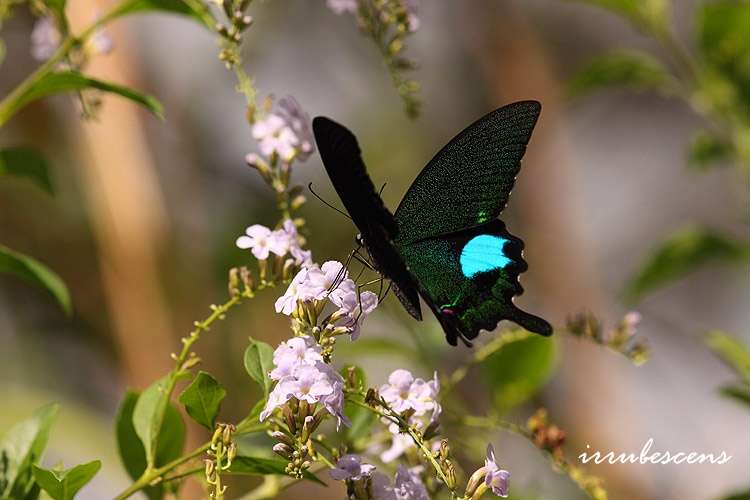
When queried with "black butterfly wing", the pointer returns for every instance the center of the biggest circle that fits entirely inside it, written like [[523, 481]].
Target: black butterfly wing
[[466, 265], [469, 279], [343, 161], [469, 181]]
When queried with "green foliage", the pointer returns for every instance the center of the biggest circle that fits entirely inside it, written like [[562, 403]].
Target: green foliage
[[739, 496], [37, 273], [706, 150], [258, 363], [681, 253], [194, 10], [131, 450], [63, 485], [57, 7], [635, 70], [722, 38], [361, 418], [735, 355], [518, 370], [653, 14], [26, 163], [738, 393], [70, 81], [253, 466], [147, 422], [21, 448], [202, 399]]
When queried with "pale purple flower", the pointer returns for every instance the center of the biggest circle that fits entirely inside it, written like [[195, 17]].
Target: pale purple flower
[[630, 322], [301, 257], [325, 278], [334, 402], [274, 135], [409, 486], [299, 122], [495, 478], [411, 8], [351, 467], [45, 38], [261, 240], [293, 353], [382, 487], [306, 384], [342, 6], [399, 444], [403, 392], [353, 308]]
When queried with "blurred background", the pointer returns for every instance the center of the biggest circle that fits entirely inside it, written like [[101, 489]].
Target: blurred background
[[146, 212]]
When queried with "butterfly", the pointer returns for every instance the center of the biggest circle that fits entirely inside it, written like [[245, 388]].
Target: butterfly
[[445, 242]]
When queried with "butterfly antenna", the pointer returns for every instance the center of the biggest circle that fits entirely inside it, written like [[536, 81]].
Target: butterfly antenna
[[382, 188], [309, 186]]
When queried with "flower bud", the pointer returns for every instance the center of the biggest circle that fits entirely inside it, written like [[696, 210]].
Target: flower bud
[[231, 453], [234, 282], [474, 481], [297, 202], [255, 161], [450, 474], [247, 279], [283, 450], [432, 430], [445, 450], [282, 437]]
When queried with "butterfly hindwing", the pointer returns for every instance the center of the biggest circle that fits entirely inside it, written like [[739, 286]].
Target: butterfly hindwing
[[469, 279], [468, 182]]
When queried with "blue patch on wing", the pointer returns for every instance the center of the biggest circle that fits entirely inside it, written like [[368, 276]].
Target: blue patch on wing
[[483, 253]]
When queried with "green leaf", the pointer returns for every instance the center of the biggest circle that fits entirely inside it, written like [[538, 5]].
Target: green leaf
[[643, 13], [181, 7], [158, 442], [738, 393], [517, 371], [635, 70], [258, 363], [261, 466], [362, 419], [681, 253], [722, 27], [69, 81], [26, 163], [35, 272], [64, 485], [731, 351], [22, 447], [706, 150], [739, 496], [202, 399], [130, 448], [58, 9]]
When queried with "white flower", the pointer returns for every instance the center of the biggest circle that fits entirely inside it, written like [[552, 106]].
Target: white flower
[[342, 6], [45, 39], [274, 135], [351, 467], [261, 240]]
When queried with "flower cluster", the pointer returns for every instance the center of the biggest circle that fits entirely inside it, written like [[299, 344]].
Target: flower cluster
[[285, 133], [262, 241], [622, 338], [364, 481], [301, 373], [417, 398], [313, 287], [351, 6]]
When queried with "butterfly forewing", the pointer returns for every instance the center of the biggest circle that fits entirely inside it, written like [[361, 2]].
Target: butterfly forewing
[[468, 182]]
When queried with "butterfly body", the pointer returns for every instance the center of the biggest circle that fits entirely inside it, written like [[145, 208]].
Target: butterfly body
[[444, 242]]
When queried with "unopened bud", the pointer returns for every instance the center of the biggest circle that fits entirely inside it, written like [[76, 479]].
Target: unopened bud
[[227, 435], [217, 434], [297, 202], [445, 450], [247, 278], [232, 452], [432, 430], [234, 282], [283, 450], [210, 467], [282, 437], [450, 474], [372, 397], [286, 272]]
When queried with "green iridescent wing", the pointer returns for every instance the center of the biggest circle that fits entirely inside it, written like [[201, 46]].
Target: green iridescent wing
[[469, 181], [464, 262]]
